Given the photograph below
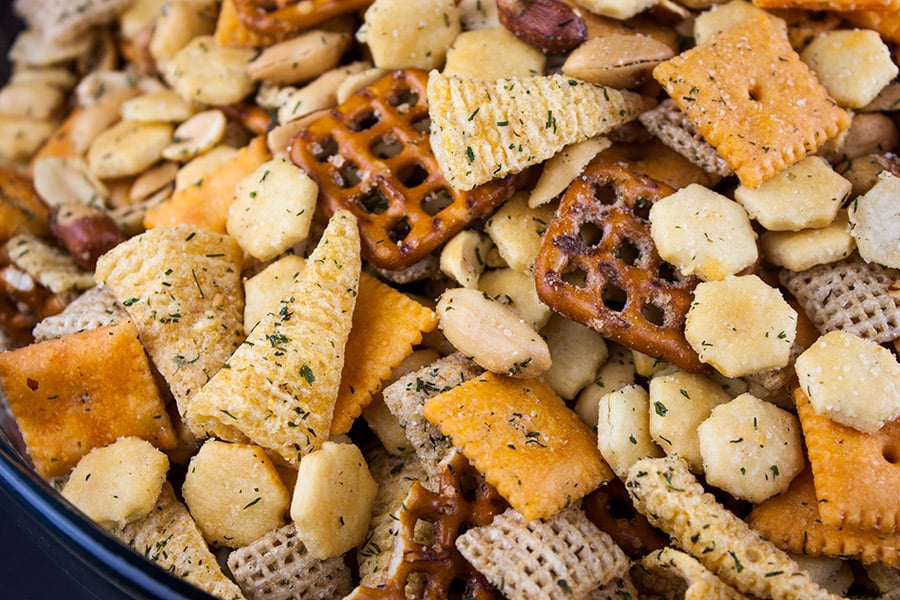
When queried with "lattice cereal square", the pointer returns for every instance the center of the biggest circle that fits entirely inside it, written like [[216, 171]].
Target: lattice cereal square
[[749, 94], [521, 435]]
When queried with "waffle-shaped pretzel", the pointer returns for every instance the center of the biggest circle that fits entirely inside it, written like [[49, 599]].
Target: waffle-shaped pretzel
[[372, 156], [599, 266], [464, 500], [281, 17]]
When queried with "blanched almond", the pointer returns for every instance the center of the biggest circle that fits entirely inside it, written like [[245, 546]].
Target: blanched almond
[[616, 60], [196, 135], [301, 58], [66, 180], [491, 333]]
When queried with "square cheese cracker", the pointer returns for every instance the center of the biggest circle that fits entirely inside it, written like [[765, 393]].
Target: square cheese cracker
[[749, 94]]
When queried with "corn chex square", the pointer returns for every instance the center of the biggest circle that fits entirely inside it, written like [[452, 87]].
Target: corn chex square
[[749, 94]]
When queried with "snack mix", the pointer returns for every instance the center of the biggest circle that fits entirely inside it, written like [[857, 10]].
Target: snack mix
[[462, 298]]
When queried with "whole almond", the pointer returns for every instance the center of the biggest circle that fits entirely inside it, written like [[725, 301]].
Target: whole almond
[[550, 25], [616, 60], [85, 231]]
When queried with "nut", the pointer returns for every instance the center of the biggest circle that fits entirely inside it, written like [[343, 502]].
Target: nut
[[86, 232], [550, 25], [616, 60], [491, 333]]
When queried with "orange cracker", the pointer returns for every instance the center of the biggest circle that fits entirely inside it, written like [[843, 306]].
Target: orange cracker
[[857, 475], [524, 439], [838, 5], [206, 205], [749, 94], [386, 326], [791, 522], [83, 391], [886, 23], [231, 32]]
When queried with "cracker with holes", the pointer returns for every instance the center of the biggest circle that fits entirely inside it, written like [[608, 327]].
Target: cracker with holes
[[516, 432], [857, 485], [483, 130], [279, 387], [372, 156], [600, 246], [83, 391], [181, 286], [791, 521], [561, 557], [94, 308], [750, 96], [386, 326]]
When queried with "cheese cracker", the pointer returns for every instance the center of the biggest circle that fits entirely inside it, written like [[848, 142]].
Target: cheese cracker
[[521, 435], [791, 521], [386, 326], [856, 474], [749, 94]]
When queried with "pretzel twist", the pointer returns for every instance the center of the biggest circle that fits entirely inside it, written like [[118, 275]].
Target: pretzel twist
[[282, 17], [628, 294], [372, 156]]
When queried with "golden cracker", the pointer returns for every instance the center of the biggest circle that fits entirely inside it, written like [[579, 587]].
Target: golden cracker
[[83, 391], [791, 522], [856, 474], [386, 326], [885, 22], [836, 5], [279, 387], [182, 288], [749, 94], [523, 438]]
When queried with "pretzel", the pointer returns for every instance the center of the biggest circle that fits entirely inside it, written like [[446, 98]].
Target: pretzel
[[609, 508], [623, 261], [372, 156], [282, 17], [463, 500]]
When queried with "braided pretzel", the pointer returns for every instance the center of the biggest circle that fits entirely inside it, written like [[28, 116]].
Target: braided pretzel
[[281, 17], [626, 294], [372, 156], [464, 500]]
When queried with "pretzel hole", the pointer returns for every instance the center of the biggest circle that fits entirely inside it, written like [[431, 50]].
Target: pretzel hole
[[348, 176], [575, 276], [605, 194], [653, 314], [387, 147], [589, 234], [323, 149], [435, 202], [366, 120], [412, 175], [374, 201], [614, 297], [641, 208], [422, 125], [399, 230], [667, 273], [628, 253], [404, 97]]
